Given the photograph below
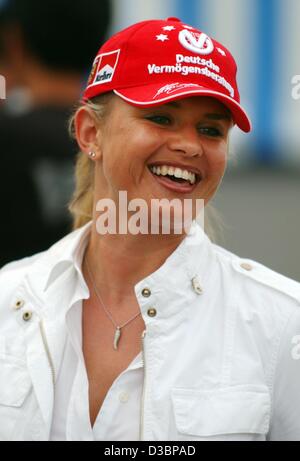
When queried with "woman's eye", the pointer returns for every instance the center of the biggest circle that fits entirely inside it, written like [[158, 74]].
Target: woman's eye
[[159, 119], [210, 131]]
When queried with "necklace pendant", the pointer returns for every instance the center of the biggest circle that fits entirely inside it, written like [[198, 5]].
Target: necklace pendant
[[117, 337]]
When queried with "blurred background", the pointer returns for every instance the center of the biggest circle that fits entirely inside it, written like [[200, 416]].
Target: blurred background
[[259, 199]]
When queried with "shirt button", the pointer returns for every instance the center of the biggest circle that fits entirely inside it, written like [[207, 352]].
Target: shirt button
[[27, 316], [246, 266], [19, 304], [146, 292], [124, 397], [151, 312]]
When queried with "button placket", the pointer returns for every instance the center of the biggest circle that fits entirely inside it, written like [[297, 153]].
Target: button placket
[[152, 312], [148, 307], [146, 292], [27, 316], [18, 304]]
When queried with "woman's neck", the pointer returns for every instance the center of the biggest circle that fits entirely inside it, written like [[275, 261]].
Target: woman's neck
[[118, 262]]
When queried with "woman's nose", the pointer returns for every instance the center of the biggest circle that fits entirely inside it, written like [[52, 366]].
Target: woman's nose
[[186, 142]]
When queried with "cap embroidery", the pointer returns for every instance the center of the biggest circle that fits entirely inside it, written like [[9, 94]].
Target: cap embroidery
[[170, 88], [169, 28], [222, 52], [195, 42], [105, 68], [162, 37], [186, 70], [93, 71]]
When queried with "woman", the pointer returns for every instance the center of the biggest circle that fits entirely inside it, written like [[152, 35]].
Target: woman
[[116, 334]]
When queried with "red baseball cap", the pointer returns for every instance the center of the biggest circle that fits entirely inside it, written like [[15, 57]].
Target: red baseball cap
[[156, 61]]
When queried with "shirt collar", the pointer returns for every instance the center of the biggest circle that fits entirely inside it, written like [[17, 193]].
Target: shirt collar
[[67, 252], [192, 257], [187, 268]]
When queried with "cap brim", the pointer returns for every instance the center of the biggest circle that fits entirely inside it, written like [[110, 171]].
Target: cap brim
[[145, 96]]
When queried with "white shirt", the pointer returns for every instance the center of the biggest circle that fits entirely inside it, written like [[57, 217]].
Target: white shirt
[[221, 355], [119, 416]]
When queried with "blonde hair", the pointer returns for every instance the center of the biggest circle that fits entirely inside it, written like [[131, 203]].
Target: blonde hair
[[81, 203]]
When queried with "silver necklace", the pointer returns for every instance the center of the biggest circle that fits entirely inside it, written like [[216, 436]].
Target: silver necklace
[[118, 328]]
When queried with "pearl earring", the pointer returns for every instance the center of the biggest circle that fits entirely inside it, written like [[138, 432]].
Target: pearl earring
[[92, 154]]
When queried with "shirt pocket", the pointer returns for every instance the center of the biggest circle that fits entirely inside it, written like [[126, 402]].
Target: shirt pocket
[[15, 385], [222, 412]]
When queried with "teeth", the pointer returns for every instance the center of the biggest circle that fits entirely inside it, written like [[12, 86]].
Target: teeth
[[164, 170], [186, 175], [171, 171], [178, 173]]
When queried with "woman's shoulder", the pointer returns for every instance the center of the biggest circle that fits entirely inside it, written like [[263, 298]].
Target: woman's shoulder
[[38, 265], [11, 276], [15, 270], [263, 302], [252, 277]]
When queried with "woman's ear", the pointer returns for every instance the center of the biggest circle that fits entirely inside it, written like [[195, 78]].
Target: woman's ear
[[87, 131]]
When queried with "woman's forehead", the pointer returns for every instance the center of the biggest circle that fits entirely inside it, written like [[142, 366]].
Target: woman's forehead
[[204, 103]]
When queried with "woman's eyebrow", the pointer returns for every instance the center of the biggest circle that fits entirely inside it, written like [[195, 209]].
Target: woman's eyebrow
[[208, 115], [173, 104]]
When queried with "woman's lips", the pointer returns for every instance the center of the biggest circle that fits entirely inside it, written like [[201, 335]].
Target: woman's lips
[[169, 184]]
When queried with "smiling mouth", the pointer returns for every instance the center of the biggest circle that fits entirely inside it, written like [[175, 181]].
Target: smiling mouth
[[175, 178]]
